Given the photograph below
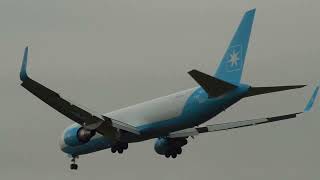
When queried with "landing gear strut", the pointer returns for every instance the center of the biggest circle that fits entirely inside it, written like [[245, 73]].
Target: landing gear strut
[[73, 165], [119, 147]]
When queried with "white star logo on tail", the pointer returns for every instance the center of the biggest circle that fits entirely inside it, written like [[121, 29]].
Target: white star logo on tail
[[234, 58]]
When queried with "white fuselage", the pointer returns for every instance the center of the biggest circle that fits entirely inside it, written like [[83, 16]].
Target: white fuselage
[[152, 111]]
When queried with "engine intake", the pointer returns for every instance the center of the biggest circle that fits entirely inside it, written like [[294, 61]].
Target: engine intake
[[77, 136], [85, 135]]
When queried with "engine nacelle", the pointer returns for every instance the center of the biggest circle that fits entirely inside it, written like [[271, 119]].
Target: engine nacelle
[[77, 135], [165, 145]]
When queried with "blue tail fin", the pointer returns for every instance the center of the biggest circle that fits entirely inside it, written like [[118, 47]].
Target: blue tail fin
[[230, 68]]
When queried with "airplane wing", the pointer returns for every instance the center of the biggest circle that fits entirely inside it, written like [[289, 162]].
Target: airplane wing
[[227, 126], [239, 124], [88, 119]]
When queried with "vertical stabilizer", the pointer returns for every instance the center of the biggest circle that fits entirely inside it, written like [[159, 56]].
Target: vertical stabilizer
[[231, 66]]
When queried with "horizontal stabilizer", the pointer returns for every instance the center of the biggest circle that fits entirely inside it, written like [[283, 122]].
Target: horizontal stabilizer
[[213, 86], [253, 91]]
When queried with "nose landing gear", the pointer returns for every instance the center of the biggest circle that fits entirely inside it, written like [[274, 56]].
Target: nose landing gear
[[73, 165]]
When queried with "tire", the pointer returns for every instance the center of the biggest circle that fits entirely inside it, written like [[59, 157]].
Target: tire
[[179, 151], [73, 166], [113, 150], [125, 146], [174, 155], [120, 151]]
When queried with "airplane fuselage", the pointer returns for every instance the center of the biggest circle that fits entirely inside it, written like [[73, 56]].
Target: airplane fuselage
[[159, 117]]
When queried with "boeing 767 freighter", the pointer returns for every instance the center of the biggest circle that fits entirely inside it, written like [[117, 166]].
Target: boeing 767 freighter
[[170, 119]]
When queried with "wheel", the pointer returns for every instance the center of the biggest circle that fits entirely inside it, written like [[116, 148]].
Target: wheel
[[174, 155], [73, 166], [179, 151], [167, 155], [113, 150], [125, 146], [120, 151]]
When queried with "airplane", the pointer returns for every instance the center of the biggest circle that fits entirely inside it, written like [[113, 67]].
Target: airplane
[[171, 119]]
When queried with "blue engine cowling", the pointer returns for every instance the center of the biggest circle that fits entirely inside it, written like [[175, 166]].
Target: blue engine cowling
[[163, 145], [77, 135]]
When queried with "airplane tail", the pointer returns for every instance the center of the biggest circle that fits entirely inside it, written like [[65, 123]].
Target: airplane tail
[[231, 66], [229, 72]]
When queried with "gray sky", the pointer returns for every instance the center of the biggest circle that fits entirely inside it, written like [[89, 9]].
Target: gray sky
[[111, 54]]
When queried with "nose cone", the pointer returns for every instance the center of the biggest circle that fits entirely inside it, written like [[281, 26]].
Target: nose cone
[[62, 144]]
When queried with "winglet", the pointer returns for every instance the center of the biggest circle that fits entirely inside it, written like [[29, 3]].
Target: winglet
[[23, 71], [312, 99]]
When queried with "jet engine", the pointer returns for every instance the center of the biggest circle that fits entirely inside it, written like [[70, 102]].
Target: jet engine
[[77, 135], [170, 146]]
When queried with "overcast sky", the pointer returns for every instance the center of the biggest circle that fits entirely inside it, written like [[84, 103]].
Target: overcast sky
[[110, 54]]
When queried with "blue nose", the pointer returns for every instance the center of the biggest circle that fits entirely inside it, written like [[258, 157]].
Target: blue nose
[[62, 144]]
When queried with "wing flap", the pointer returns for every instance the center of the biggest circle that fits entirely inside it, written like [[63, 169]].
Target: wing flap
[[124, 126]]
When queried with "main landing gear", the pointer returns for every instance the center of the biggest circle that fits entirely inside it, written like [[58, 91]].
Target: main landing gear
[[120, 147], [73, 165], [170, 147], [173, 152]]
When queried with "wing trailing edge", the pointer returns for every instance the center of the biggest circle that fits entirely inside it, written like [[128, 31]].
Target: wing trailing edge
[[230, 125]]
